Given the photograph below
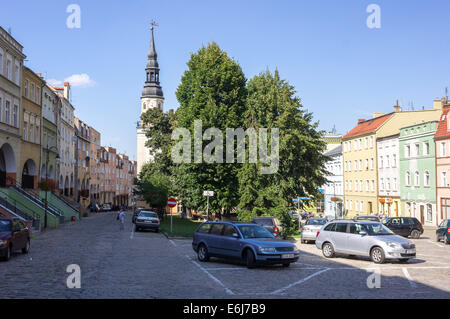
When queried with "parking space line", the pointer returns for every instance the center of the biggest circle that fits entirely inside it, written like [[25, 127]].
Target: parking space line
[[437, 244], [228, 291], [408, 276], [172, 242], [299, 282]]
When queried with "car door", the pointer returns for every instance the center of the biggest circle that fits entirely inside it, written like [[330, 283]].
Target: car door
[[230, 246], [407, 226], [394, 224], [442, 229], [339, 237], [215, 239], [17, 236], [357, 244]]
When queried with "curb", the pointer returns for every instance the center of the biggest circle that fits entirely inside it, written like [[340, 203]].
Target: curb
[[174, 237]]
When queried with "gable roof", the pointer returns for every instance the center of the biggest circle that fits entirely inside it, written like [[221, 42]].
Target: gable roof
[[442, 130], [368, 126]]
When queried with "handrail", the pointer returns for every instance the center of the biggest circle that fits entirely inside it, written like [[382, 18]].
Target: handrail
[[18, 186], [18, 207]]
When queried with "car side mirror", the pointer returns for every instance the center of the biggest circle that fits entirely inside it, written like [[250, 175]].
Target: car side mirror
[[363, 233], [235, 235]]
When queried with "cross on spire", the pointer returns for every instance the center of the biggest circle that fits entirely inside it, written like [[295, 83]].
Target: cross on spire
[[153, 24]]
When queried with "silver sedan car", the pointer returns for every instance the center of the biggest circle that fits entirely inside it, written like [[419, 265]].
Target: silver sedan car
[[364, 238], [147, 220], [311, 227]]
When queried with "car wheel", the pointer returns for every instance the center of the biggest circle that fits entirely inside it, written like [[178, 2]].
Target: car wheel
[[403, 260], [7, 254], [415, 234], [447, 241], [249, 259], [286, 265], [377, 255], [26, 249], [438, 239], [328, 250], [202, 253]]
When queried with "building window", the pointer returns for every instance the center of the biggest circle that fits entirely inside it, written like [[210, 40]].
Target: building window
[[381, 184], [388, 184], [387, 160], [1, 61], [426, 179], [429, 212], [381, 162], [394, 184], [408, 179], [443, 179], [443, 149], [15, 116], [426, 148], [407, 151], [9, 67], [394, 160], [7, 112], [416, 179], [416, 149], [17, 73], [25, 131]]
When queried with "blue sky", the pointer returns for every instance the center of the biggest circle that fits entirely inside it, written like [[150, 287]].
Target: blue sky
[[342, 70]]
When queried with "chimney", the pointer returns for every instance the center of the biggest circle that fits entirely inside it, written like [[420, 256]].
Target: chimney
[[397, 107], [67, 90], [361, 120]]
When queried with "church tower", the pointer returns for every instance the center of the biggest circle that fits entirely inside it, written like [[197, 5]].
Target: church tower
[[152, 96]]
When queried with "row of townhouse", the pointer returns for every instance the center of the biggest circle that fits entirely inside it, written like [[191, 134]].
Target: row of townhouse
[[41, 140], [395, 164]]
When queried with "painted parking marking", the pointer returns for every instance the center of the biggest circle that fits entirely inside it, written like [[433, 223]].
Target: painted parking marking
[[299, 282], [436, 244], [408, 276], [132, 231], [172, 242], [228, 291]]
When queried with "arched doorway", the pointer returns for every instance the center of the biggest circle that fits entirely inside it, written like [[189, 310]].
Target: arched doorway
[[29, 173], [7, 164]]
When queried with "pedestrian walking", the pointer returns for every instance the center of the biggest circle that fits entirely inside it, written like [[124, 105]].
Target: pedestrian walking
[[121, 219]]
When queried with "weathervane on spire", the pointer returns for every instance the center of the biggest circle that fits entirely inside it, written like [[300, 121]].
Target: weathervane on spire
[[153, 24]]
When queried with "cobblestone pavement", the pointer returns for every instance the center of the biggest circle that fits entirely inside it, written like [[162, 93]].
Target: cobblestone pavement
[[125, 264]]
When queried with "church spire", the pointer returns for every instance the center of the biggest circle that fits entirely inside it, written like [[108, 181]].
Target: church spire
[[151, 86]]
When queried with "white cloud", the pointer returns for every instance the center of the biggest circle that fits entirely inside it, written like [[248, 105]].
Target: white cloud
[[76, 80], [80, 80]]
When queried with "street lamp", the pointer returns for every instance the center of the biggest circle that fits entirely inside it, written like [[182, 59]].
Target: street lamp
[[48, 149]]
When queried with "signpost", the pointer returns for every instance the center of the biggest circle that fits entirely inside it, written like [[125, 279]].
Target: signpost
[[171, 202], [207, 194]]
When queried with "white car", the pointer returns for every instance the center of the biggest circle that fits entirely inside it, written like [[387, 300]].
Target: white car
[[106, 207], [364, 238], [147, 220], [311, 227]]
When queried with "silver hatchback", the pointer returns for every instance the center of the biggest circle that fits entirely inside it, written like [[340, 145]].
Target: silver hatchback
[[364, 238]]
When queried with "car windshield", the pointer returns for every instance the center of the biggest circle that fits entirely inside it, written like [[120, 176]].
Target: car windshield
[[148, 214], [316, 221], [377, 229], [254, 231], [5, 225]]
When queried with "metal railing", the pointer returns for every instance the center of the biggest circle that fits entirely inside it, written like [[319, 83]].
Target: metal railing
[[19, 209]]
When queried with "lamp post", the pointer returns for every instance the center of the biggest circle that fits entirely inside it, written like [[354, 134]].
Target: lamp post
[[48, 149]]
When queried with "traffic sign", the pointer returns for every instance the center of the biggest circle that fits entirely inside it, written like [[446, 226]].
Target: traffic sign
[[303, 198], [208, 193], [171, 202]]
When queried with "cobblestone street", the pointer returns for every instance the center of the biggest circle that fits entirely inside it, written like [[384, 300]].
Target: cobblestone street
[[125, 264]]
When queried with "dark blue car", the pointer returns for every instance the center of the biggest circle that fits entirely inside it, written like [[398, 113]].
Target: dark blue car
[[250, 243]]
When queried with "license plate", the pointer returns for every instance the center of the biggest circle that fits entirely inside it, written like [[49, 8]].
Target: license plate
[[287, 256], [148, 221], [410, 251]]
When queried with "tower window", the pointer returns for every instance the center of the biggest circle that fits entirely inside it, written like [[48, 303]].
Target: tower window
[[152, 77], [144, 106]]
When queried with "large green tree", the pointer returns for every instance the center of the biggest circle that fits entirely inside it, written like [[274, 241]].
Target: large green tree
[[272, 103], [212, 90]]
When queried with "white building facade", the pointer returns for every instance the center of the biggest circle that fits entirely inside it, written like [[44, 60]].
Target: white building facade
[[333, 190], [388, 176]]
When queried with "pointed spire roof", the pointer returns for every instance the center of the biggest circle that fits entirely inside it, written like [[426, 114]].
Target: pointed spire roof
[[151, 86]]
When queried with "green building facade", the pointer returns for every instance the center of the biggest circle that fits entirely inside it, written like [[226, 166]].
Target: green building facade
[[418, 171]]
